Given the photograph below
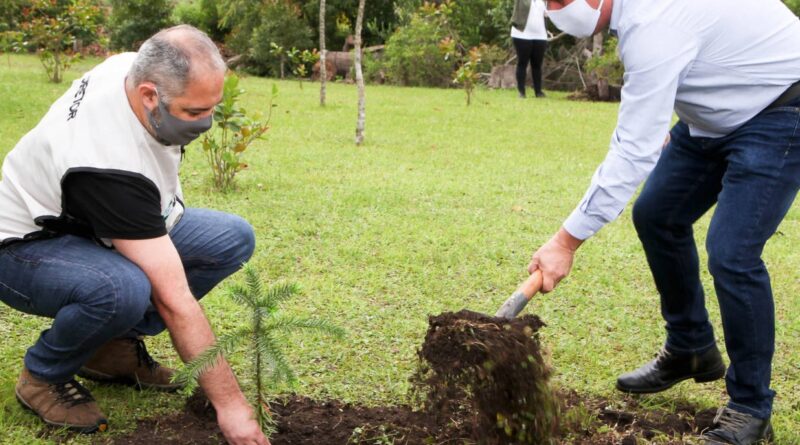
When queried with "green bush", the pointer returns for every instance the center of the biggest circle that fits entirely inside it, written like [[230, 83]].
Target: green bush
[[203, 15], [133, 21], [257, 26], [414, 54], [607, 65], [473, 22], [189, 13], [11, 14], [232, 134], [491, 55]]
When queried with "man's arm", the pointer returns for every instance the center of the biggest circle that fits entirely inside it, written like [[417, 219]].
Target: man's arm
[[654, 56], [191, 333]]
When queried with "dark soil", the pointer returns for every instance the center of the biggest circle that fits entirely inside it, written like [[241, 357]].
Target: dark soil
[[482, 381], [491, 372]]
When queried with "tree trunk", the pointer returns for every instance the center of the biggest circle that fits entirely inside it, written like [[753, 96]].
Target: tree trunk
[[323, 71], [57, 67], [362, 113], [597, 44]]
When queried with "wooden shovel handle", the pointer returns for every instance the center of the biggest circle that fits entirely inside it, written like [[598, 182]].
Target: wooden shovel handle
[[532, 285]]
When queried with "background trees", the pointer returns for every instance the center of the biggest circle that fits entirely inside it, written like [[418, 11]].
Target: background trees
[[414, 33]]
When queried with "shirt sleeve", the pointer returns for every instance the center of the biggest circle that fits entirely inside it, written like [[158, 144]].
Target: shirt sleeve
[[655, 56], [117, 205]]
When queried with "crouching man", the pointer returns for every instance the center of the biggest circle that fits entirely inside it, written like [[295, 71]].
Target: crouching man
[[94, 234]]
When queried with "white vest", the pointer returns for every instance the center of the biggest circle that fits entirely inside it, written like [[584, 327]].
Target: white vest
[[90, 128]]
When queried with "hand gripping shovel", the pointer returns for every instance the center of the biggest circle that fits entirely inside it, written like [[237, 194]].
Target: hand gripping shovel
[[521, 297]]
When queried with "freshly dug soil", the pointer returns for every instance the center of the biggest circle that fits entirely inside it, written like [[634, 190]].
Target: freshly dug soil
[[481, 381], [302, 421], [491, 371]]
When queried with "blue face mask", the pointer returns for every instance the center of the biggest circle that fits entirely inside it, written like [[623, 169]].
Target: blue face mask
[[171, 130]]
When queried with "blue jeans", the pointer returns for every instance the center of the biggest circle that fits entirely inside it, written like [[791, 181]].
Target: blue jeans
[[95, 294], [752, 175]]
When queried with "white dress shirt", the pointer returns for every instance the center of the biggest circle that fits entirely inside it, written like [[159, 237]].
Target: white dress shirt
[[534, 27], [716, 63]]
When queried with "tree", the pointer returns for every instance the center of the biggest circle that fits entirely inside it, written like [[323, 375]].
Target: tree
[[323, 70], [362, 113], [265, 335], [134, 21], [54, 27]]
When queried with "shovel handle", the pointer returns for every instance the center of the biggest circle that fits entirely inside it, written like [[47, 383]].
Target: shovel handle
[[516, 302]]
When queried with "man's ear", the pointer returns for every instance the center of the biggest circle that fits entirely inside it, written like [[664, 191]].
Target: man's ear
[[147, 91]]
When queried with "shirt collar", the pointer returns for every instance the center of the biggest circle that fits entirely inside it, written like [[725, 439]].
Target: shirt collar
[[616, 12]]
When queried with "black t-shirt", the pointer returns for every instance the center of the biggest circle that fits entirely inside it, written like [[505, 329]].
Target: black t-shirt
[[109, 204]]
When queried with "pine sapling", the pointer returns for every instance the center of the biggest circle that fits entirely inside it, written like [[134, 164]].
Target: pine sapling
[[264, 338]]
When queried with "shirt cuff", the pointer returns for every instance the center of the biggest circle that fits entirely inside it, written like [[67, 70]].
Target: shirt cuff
[[582, 226]]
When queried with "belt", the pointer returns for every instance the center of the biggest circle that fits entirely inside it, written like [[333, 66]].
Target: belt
[[792, 93]]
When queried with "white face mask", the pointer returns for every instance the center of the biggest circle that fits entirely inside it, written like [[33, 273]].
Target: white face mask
[[577, 19]]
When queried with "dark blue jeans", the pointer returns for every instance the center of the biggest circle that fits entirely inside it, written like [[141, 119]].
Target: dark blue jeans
[[752, 175], [95, 294]]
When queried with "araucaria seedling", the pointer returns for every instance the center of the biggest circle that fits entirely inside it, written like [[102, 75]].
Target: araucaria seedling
[[264, 337]]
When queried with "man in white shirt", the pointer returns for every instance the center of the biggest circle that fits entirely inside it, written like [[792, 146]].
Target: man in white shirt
[[100, 170], [730, 70]]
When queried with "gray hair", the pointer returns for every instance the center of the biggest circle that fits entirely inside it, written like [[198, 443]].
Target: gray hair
[[171, 57]]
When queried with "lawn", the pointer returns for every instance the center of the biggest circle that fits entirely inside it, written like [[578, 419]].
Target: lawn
[[439, 210]]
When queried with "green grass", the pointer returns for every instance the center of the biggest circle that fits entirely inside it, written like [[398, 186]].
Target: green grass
[[439, 210]]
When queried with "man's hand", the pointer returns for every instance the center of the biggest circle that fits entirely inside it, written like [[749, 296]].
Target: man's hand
[[191, 334], [554, 259], [239, 426]]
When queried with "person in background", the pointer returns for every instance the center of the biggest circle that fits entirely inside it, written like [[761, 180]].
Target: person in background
[[529, 35]]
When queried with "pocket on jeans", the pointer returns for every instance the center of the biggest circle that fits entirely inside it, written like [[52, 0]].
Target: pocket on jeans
[[16, 253], [15, 299]]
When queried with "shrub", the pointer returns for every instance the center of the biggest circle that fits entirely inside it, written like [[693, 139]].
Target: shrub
[[133, 21], [414, 55], [280, 24], [467, 75], [203, 15], [301, 60], [189, 13], [491, 55], [606, 66], [11, 14], [54, 27], [236, 131]]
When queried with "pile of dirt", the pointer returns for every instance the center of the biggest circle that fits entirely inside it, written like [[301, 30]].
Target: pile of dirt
[[490, 371]]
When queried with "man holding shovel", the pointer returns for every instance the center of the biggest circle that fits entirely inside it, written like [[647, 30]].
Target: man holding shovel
[[94, 234], [730, 70]]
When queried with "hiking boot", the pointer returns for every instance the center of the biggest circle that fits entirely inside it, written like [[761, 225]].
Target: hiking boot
[[126, 361], [670, 368], [540, 94], [61, 404], [732, 427]]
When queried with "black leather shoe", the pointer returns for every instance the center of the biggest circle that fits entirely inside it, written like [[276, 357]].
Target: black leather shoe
[[734, 428], [670, 368]]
